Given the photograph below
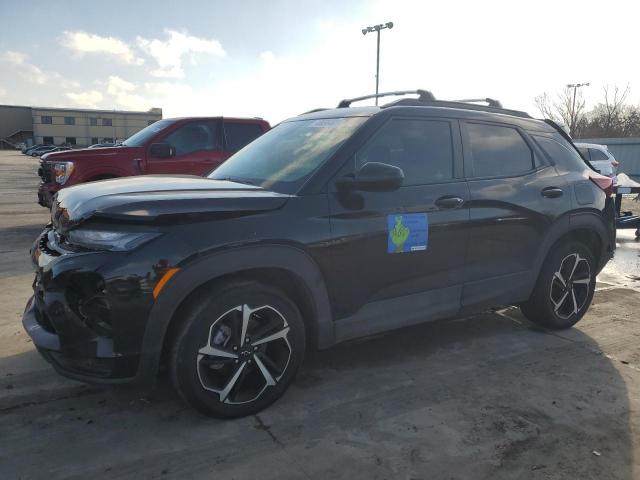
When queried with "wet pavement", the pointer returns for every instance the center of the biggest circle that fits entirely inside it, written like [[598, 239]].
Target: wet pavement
[[624, 269]]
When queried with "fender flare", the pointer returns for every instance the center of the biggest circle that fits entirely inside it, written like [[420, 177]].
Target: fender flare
[[593, 221], [567, 224], [294, 260]]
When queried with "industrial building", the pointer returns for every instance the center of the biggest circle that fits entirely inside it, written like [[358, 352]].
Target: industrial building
[[69, 126]]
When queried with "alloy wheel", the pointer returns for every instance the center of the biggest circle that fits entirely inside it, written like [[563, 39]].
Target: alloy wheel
[[247, 351], [570, 286]]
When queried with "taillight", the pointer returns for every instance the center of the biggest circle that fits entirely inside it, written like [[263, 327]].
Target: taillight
[[604, 183]]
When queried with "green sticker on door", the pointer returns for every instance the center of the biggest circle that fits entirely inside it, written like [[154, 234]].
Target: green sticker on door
[[407, 232]]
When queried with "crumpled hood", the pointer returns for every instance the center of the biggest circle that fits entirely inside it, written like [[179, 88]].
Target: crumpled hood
[[148, 198]]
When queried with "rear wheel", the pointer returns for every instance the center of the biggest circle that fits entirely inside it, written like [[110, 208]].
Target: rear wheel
[[238, 350], [565, 287]]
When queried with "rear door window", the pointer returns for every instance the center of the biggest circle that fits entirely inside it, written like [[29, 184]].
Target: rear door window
[[423, 149], [498, 151], [240, 134]]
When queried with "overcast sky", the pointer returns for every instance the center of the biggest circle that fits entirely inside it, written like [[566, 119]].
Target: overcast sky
[[278, 58]]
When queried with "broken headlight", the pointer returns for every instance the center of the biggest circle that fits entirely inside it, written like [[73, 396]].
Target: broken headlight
[[105, 240]]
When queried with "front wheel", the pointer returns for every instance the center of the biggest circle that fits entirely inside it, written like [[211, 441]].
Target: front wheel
[[565, 287], [239, 349]]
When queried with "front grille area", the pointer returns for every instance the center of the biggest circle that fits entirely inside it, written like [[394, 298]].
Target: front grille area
[[86, 296], [44, 245], [44, 172]]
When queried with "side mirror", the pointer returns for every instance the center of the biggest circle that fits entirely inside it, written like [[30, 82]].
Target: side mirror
[[162, 150], [373, 177]]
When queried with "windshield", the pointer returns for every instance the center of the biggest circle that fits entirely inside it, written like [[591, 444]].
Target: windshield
[[285, 157], [140, 138]]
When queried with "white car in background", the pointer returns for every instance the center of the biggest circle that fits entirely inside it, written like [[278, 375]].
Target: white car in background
[[600, 158]]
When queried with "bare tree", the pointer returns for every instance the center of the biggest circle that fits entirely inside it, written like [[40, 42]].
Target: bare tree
[[611, 117], [631, 127], [545, 107], [568, 109], [613, 105]]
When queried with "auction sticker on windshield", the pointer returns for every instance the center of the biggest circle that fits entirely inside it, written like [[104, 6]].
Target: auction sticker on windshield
[[407, 232], [326, 123]]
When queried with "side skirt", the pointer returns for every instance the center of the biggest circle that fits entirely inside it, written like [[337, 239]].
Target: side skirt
[[384, 315]]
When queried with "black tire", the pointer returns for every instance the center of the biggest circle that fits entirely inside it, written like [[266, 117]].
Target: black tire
[[213, 321], [548, 306]]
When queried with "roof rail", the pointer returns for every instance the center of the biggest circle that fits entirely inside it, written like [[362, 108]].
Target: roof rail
[[423, 96], [426, 98], [489, 101], [410, 102]]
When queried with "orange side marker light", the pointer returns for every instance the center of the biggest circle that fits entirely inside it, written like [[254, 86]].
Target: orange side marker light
[[163, 281]]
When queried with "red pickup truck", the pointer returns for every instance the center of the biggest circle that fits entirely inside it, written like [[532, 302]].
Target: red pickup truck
[[172, 146]]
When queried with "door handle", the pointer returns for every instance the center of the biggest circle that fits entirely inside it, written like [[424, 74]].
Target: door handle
[[552, 192], [449, 201]]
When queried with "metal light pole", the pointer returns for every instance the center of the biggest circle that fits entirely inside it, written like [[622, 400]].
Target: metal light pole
[[377, 28], [575, 87]]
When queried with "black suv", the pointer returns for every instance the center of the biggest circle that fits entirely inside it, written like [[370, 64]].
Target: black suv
[[336, 224]]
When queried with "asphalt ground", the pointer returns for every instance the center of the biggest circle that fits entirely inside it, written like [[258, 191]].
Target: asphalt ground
[[487, 397]]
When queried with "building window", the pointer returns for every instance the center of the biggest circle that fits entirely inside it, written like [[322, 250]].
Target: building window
[[94, 140], [93, 122], [107, 122], [47, 140], [69, 120], [70, 140], [46, 119]]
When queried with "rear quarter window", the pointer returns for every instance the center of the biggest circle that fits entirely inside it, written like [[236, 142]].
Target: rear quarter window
[[560, 152]]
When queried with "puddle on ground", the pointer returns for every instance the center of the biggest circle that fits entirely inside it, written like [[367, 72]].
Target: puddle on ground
[[624, 269]]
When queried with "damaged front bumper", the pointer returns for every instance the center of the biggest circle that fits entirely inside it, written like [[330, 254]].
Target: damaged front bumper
[[79, 316], [87, 359]]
